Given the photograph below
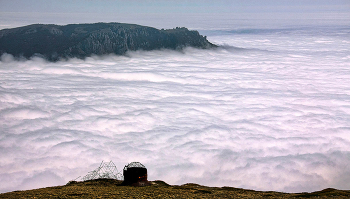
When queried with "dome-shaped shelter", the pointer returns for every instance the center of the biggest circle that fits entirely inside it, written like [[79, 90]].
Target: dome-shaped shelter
[[135, 173]]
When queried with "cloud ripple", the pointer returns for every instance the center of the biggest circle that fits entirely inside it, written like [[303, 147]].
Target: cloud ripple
[[269, 119]]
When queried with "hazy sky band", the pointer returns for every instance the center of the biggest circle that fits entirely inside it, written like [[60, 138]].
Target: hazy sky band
[[202, 14], [172, 6]]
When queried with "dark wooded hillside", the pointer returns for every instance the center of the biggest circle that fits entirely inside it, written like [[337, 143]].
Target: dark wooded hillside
[[82, 40]]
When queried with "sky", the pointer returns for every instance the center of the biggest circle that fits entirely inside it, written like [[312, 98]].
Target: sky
[[172, 6], [164, 14]]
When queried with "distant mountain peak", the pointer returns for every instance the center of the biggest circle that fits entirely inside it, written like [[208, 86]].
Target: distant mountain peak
[[82, 40]]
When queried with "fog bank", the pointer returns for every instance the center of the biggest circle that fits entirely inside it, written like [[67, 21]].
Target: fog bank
[[269, 111]]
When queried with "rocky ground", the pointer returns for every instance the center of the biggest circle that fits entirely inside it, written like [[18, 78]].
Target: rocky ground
[[107, 188]]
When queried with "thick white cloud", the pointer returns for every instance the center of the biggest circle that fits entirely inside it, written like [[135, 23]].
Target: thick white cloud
[[272, 113]]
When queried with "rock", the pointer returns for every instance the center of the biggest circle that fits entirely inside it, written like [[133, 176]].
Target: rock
[[82, 40]]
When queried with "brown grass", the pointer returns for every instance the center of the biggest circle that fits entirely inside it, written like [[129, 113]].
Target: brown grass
[[107, 188]]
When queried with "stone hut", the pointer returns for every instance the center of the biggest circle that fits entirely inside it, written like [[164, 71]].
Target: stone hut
[[135, 174]]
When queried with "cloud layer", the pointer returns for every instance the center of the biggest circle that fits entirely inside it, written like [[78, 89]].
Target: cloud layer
[[272, 113]]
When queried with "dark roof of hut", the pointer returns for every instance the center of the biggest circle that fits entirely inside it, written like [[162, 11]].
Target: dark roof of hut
[[134, 165]]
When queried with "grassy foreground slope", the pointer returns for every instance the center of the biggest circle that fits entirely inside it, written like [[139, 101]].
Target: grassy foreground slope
[[106, 188]]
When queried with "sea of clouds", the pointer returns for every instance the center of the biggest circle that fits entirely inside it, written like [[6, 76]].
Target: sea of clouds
[[268, 110]]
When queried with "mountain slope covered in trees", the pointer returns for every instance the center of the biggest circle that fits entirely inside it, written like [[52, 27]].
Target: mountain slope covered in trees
[[82, 40]]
